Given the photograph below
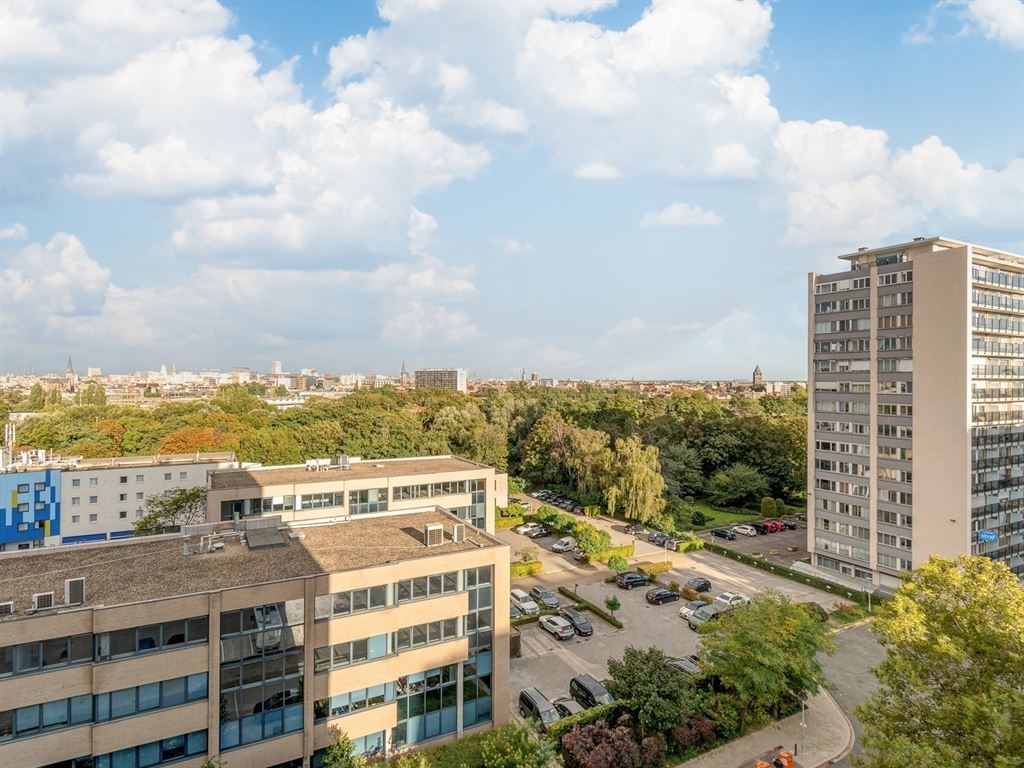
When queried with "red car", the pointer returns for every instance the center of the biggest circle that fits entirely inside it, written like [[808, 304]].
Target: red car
[[773, 525]]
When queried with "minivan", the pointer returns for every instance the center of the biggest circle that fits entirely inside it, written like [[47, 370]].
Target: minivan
[[533, 703], [588, 691]]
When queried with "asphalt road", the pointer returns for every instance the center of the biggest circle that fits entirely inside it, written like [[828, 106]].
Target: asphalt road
[[848, 672]]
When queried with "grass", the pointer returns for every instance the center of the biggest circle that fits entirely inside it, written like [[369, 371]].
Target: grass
[[717, 517]]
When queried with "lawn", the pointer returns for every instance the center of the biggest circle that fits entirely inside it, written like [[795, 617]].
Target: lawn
[[718, 517]]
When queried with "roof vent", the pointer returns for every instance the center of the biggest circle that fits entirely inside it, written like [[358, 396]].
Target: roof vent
[[919, 239], [74, 591], [297, 535], [862, 249], [459, 532], [42, 600], [433, 534], [6, 609], [217, 547]]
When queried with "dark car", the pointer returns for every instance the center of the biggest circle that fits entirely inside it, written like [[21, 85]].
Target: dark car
[[761, 528], [567, 707], [635, 529], [723, 533], [790, 525], [544, 596], [579, 622], [658, 539], [652, 535], [589, 691], [699, 584], [538, 533], [688, 664], [632, 579], [515, 612], [660, 596], [533, 703]]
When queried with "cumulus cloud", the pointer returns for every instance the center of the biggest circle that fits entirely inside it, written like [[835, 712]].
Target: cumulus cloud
[[999, 20], [681, 215], [14, 231], [513, 246]]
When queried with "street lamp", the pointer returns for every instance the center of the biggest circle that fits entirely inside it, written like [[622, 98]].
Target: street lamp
[[666, 549]]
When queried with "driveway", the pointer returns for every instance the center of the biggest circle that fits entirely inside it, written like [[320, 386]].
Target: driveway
[[779, 542], [848, 672]]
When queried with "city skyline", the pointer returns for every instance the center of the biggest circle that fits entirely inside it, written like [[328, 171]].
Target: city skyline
[[297, 190]]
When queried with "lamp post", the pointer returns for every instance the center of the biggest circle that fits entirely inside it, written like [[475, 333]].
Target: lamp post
[[666, 549], [803, 723]]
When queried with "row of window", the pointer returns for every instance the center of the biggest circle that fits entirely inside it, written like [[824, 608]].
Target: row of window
[[837, 486], [353, 701], [842, 467], [895, 343], [841, 508], [24, 487], [998, 277], [895, 475], [899, 299], [894, 409], [841, 366], [1003, 301], [841, 305], [379, 646], [843, 326], [431, 490], [80, 649], [981, 346], [896, 497], [95, 481], [900, 519], [894, 452], [842, 548], [840, 567], [889, 540], [854, 449], [892, 562], [840, 406], [888, 322], [850, 427], [896, 387], [901, 431], [846, 529], [855, 284], [892, 278], [895, 365], [856, 387], [998, 371], [831, 346], [162, 752]]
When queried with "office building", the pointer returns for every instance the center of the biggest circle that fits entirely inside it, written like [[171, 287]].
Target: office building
[[916, 413], [441, 378], [30, 509], [347, 487], [102, 498], [275, 368], [256, 645]]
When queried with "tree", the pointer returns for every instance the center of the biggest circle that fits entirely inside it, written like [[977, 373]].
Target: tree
[[612, 604], [637, 486], [738, 484], [767, 506], [516, 485], [591, 539], [599, 745], [681, 468], [764, 653], [660, 696], [618, 563], [952, 682], [182, 506], [340, 753], [516, 747], [780, 508], [36, 398], [91, 394], [191, 440]]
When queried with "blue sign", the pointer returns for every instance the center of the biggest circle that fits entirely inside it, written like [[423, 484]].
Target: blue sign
[[988, 536]]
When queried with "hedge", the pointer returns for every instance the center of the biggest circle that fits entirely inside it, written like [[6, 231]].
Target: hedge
[[589, 606], [519, 570], [626, 550], [653, 569], [827, 586], [507, 522], [561, 727]]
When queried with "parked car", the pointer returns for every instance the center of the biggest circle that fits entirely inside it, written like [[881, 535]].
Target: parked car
[[544, 596], [686, 611], [673, 544], [732, 599], [564, 544], [745, 530], [567, 707], [514, 611], [525, 528], [687, 664], [589, 691], [774, 525], [558, 627], [656, 537], [636, 529], [632, 579], [761, 528], [580, 556], [706, 614], [539, 532], [523, 602], [790, 525], [579, 622], [724, 533], [699, 584], [533, 703], [660, 596]]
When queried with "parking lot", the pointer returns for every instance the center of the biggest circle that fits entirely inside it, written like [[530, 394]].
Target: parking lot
[[549, 664], [773, 546]]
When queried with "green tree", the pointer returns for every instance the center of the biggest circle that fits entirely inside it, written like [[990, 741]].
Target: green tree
[[659, 695], [36, 398], [517, 747], [637, 487], [952, 682], [213, 762], [590, 538], [681, 468], [516, 485], [182, 506], [780, 508], [340, 753], [738, 484], [91, 394], [767, 506], [546, 449], [279, 391], [618, 563], [764, 653], [612, 604], [53, 397]]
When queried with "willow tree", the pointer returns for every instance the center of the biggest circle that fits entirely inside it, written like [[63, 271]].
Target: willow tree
[[636, 487]]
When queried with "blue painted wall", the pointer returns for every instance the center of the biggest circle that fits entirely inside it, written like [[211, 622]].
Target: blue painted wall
[[29, 501]]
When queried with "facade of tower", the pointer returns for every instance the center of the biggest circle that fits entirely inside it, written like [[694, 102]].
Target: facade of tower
[[757, 380], [916, 415]]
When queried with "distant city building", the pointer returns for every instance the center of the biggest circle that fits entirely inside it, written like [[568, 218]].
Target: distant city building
[[916, 409], [441, 378], [758, 379], [94, 372], [275, 368]]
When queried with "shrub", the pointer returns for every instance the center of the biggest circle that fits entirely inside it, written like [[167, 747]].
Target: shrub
[[689, 593], [599, 745], [708, 599], [652, 751], [767, 506], [817, 611], [612, 604], [618, 563], [698, 732], [673, 586], [698, 517], [653, 569], [530, 554], [601, 712], [780, 507], [501, 523], [519, 570], [625, 550], [690, 543]]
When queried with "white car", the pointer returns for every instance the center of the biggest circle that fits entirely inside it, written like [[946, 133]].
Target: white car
[[732, 599], [521, 600], [525, 528], [564, 544], [745, 530], [687, 609], [558, 627]]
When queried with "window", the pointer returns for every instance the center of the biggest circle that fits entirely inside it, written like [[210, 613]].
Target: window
[[76, 482], [94, 481], [122, 643], [40, 486], [92, 517], [122, 514], [368, 501], [76, 500], [23, 507], [167, 475], [183, 475], [139, 495], [124, 479], [75, 518], [426, 586], [122, 497], [140, 478], [93, 499], [155, 753], [23, 488], [139, 513]]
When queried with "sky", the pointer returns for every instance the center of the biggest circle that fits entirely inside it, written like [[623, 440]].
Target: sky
[[576, 188]]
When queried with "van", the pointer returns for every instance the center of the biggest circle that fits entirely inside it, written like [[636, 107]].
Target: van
[[588, 691], [533, 703]]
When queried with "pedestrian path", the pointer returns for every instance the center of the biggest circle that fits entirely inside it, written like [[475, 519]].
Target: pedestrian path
[[828, 736]]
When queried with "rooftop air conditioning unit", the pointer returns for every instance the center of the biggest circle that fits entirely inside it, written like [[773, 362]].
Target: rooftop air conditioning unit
[[74, 591], [6, 609], [433, 534], [42, 600], [458, 532]]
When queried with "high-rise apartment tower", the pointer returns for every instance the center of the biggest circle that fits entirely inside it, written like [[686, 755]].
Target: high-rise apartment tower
[[915, 441]]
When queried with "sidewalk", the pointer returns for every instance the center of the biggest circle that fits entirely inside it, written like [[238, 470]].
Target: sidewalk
[[828, 737]]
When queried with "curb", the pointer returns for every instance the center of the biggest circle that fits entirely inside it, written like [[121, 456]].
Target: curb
[[850, 741], [851, 625]]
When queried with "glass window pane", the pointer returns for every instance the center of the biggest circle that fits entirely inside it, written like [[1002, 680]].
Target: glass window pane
[[122, 703], [419, 588], [359, 649], [26, 719], [26, 657], [149, 696], [342, 654], [122, 643], [172, 748], [55, 652], [229, 735], [102, 707], [403, 591], [124, 758], [360, 600], [174, 633], [81, 709], [322, 607], [435, 583], [55, 714], [451, 581], [419, 635], [149, 638], [174, 692], [252, 728], [342, 604], [378, 646], [230, 623], [6, 660], [293, 718], [81, 648], [197, 742], [434, 632], [196, 686], [378, 596]]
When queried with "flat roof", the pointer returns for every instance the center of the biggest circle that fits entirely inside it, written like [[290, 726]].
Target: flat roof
[[140, 569], [155, 460], [943, 241], [298, 474]]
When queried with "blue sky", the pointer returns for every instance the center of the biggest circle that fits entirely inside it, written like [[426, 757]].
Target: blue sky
[[579, 189]]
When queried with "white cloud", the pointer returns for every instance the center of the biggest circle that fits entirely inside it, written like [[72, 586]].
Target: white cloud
[[681, 215], [998, 20], [421, 322], [513, 246], [597, 172], [14, 231]]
